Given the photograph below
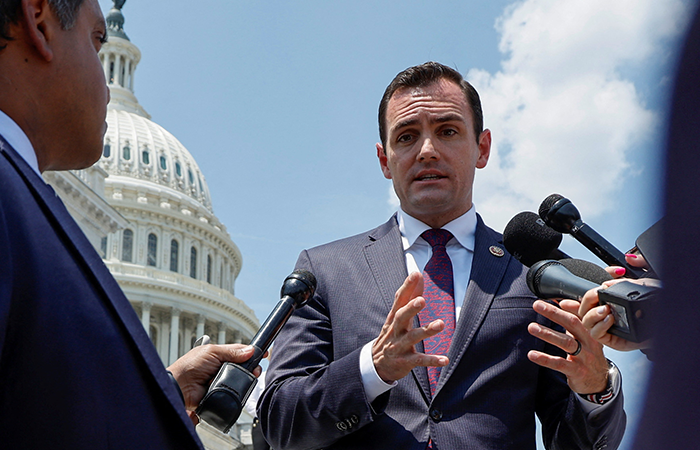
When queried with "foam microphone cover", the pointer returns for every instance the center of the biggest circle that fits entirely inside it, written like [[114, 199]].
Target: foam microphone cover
[[586, 269], [529, 240]]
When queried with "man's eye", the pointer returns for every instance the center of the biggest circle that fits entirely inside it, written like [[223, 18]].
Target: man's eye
[[404, 138], [449, 132]]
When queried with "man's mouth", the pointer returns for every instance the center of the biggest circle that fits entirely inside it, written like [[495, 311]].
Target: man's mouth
[[429, 177]]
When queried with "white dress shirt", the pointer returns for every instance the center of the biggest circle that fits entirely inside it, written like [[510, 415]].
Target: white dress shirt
[[14, 136]]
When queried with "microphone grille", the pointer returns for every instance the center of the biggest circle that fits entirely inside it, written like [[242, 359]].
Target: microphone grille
[[585, 269], [547, 204], [529, 240]]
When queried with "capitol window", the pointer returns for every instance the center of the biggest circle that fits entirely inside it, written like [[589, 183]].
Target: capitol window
[[193, 263], [127, 245], [163, 163], [174, 253], [127, 152], [152, 250], [209, 269], [178, 169], [107, 150], [145, 157]]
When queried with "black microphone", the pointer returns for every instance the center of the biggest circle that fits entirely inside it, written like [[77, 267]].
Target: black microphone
[[530, 240], [631, 304], [561, 215], [550, 279], [228, 392]]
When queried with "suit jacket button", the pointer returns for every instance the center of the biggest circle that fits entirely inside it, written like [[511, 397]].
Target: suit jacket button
[[436, 415]]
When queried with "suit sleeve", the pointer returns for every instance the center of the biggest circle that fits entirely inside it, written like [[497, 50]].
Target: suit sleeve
[[312, 399]]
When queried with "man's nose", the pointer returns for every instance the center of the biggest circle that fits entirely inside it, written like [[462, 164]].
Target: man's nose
[[427, 150]]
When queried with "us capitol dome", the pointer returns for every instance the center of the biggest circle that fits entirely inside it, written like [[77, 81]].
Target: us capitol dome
[[147, 209]]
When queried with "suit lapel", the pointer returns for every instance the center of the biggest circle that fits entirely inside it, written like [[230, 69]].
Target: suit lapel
[[92, 265], [387, 262], [486, 274]]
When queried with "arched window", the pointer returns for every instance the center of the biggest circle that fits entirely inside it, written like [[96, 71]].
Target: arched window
[[127, 245], [209, 269], [174, 252], [107, 152], [178, 169], [163, 163], [152, 250], [193, 262], [145, 157], [127, 152], [191, 177]]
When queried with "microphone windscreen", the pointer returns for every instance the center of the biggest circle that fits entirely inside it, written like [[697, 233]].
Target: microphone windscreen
[[547, 204], [586, 269], [529, 240]]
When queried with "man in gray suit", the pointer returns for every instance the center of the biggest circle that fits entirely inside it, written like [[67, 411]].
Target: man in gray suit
[[422, 332]]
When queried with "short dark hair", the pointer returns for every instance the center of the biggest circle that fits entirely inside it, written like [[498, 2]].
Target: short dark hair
[[424, 75], [65, 10]]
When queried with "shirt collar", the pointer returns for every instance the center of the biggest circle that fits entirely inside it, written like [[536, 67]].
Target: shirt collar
[[14, 136], [463, 228]]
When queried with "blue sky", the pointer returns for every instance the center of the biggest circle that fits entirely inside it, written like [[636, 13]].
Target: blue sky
[[278, 103]]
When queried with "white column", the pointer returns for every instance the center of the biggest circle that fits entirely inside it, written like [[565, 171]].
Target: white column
[[117, 68], [164, 338], [146, 316], [222, 333], [200, 325], [174, 334]]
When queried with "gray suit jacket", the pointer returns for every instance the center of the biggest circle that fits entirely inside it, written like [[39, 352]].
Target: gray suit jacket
[[487, 397]]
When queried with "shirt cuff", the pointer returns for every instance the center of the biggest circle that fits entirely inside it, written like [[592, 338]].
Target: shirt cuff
[[616, 382], [372, 382]]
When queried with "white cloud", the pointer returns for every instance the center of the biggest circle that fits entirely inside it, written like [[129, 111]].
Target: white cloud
[[564, 118]]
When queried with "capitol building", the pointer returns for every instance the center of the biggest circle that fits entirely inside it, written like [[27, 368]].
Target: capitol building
[[147, 209]]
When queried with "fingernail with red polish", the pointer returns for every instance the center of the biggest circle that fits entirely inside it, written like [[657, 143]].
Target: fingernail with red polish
[[631, 255], [620, 271]]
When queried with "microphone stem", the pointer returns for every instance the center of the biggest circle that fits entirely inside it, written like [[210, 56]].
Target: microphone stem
[[269, 331]]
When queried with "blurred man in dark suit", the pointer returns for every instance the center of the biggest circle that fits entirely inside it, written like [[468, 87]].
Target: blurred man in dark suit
[[77, 369]]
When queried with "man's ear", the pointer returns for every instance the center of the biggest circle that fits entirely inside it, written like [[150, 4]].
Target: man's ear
[[383, 161], [484, 149], [41, 25]]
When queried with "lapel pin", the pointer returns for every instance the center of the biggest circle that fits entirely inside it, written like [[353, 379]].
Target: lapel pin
[[496, 251]]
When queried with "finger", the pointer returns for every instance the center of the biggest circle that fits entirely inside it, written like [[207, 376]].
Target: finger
[[421, 359], [570, 306], [551, 362], [236, 353], [598, 322], [589, 301], [418, 334], [403, 319], [411, 288], [615, 271], [636, 260], [564, 341], [570, 322]]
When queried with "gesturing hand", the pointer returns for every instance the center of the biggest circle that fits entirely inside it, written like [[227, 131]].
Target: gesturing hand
[[587, 371], [394, 353]]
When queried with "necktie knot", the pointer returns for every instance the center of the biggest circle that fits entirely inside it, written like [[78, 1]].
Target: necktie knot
[[436, 237]]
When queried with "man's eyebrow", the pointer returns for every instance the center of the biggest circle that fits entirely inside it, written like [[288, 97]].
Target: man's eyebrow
[[440, 119]]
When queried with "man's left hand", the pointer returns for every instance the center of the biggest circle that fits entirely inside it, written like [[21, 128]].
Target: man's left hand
[[586, 372]]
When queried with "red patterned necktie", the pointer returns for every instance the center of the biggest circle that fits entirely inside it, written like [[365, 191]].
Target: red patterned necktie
[[438, 291]]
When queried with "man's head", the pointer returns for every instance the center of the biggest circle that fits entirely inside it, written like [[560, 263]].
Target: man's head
[[51, 80], [431, 143], [423, 75]]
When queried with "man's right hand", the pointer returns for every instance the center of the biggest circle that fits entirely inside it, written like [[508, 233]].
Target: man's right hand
[[394, 351]]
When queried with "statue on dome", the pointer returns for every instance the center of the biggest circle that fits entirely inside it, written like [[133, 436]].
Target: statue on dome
[[119, 4]]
